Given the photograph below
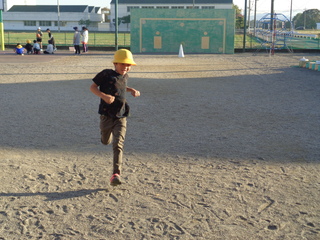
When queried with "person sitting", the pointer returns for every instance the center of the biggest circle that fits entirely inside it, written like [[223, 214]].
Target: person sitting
[[50, 48], [36, 47], [29, 47], [19, 49]]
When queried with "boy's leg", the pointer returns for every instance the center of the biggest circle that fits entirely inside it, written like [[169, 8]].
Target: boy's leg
[[119, 134], [106, 125]]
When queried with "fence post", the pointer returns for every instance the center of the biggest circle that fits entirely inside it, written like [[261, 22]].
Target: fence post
[[1, 31]]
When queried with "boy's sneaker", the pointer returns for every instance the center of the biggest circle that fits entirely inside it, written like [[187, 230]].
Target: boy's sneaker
[[115, 180]]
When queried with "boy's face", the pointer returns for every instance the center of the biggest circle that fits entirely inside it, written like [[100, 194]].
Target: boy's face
[[122, 68]]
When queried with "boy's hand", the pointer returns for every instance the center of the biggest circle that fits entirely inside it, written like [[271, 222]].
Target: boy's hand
[[135, 93], [108, 98]]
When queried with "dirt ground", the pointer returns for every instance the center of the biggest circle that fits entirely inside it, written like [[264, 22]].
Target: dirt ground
[[218, 147]]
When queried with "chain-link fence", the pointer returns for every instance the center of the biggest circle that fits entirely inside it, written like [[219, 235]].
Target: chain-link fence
[[107, 39], [292, 41], [96, 39]]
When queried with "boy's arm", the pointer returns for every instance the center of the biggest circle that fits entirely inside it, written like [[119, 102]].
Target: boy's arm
[[94, 88], [133, 92]]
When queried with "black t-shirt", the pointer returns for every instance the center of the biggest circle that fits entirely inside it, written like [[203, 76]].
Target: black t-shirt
[[112, 83], [28, 46]]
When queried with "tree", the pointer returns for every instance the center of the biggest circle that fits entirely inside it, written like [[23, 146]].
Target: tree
[[239, 17], [114, 21], [85, 22], [126, 20], [308, 19]]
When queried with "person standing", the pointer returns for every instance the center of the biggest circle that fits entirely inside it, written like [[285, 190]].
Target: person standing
[[51, 38], [39, 37], [76, 40], [85, 38]]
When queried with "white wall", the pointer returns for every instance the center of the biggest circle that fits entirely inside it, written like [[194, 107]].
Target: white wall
[[15, 20]]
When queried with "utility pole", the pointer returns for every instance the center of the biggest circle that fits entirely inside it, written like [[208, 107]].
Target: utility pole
[[272, 28], [116, 26], [245, 26], [255, 17], [58, 5], [305, 17], [291, 16], [249, 16]]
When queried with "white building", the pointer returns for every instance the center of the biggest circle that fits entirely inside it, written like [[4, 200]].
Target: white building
[[124, 7], [64, 17]]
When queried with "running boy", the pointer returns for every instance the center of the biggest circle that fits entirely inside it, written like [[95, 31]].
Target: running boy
[[111, 86]]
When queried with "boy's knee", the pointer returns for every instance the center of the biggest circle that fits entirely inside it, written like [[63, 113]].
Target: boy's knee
[[106, 141]]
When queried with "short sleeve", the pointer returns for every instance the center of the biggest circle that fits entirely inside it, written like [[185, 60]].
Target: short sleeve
[[99, 78]]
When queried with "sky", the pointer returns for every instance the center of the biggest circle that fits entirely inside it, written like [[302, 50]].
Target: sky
[[280, 6]]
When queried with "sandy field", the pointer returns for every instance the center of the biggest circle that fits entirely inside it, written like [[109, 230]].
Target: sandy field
[[220, 147]]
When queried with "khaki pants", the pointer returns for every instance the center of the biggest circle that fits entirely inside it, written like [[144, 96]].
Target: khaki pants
[[114, 130]]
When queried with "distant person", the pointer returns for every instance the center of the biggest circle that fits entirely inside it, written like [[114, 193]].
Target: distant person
[[36, 47], [76, 40], [29, 47], [39, 37], [85, 38], [50, 35], [49, 49], [19, 49]]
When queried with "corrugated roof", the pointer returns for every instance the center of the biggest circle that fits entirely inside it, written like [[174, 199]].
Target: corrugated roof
[[172, 1], [48, 8]]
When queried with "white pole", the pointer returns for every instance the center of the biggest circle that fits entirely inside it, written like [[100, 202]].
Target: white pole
[[58, 5]]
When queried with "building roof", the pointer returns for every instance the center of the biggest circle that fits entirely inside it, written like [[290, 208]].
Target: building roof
[[48, 8], [173, 1]]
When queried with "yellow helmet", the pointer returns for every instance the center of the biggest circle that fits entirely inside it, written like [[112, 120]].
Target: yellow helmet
[[123, 56]]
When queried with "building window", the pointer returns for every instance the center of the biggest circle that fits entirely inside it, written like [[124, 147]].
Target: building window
[[129, 8], [191, 7], [30, 23], [162, 7], [176, 7], [207, 7], [62, 23], [147, 7], [45, 23]]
